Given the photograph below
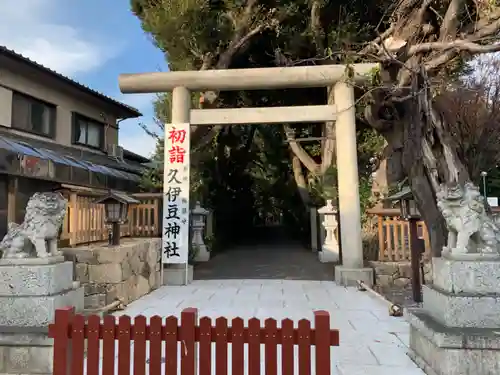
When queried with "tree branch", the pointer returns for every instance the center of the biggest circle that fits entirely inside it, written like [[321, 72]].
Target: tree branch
[[299, 151], [450, 24], [459, 45]]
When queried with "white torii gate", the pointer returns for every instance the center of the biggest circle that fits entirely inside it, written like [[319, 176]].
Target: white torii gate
[[182, 83]]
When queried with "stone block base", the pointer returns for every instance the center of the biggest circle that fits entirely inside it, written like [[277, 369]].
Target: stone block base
[[176, 275], [477, 276], [328, 256], [35, 278], [462, 309], [203, 255], [350, 276], [25, 351], [37, 311], [440, 350]]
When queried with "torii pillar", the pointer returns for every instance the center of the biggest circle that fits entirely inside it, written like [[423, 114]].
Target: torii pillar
[[182, 83]]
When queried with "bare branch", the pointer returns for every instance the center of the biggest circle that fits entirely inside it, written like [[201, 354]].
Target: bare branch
[[297, 149], [459, 45]]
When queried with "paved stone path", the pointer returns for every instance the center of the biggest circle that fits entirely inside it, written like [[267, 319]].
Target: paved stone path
[[274, 260], [371, 342]]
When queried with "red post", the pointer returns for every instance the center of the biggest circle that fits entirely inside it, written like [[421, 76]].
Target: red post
[[304, 340], [322, 342], [254, 346], [205, 346], [124, 343], [93, 344], [221, 346], [140, 325], [271, 346], [287, 357], [189, 318], [237, 347], [108, 345], [155, 340], [59, 331], [77, 344], [171, 345]]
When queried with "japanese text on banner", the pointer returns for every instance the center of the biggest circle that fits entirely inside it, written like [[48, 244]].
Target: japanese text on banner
[[176, 194]]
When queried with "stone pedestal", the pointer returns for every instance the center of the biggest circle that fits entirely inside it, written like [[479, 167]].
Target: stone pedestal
[[350, 276], [330, 248], [175, 274], [30, 291], [457, 331]]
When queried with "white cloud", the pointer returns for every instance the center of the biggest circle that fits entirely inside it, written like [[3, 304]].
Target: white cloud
[[28, 27], [141, 144], [143, 102], [131, 136]]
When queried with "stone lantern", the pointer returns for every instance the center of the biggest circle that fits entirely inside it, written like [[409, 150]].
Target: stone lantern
[[198, 215], [116, 212], [330, 248], [409, 213]]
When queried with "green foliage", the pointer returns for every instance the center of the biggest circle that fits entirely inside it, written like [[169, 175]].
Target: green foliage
[[244, 174]]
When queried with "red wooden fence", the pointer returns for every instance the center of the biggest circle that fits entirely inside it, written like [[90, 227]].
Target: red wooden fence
[[70, 332]]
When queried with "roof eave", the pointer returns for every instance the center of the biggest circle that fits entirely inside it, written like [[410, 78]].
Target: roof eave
[[123, 110]]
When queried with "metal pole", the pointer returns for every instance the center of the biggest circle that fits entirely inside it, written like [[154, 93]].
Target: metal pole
[[116, 234], [416, 253]]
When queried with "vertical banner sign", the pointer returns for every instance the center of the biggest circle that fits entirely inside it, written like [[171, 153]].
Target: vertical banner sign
[[175, 235]]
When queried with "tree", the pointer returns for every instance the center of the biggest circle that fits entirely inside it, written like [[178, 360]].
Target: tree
[[472, 108], [422, 42], [259, 33], [419, 43]]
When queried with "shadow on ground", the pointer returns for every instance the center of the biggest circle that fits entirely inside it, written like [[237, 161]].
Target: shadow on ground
[[265, 257]]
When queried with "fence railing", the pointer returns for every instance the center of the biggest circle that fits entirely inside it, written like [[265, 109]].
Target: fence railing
[[191, 342], [85, 220], [393, 236]]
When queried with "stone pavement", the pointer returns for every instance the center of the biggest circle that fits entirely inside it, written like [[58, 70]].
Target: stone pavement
[[371, 342]]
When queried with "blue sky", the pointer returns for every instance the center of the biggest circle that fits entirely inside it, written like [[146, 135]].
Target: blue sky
[[91, 41]]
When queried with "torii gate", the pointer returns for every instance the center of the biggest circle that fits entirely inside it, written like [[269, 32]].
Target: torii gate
[[182, 83]]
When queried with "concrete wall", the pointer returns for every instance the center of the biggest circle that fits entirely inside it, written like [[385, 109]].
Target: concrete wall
[[126, 272], [66, 104]]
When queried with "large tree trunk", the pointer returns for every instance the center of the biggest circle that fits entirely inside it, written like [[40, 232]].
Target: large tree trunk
[[421, 150], [300, 181]]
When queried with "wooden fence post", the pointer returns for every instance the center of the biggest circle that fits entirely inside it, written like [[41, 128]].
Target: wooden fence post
[[322, 342], [73, 218], [381, 239], [59, 331], [189, 360]]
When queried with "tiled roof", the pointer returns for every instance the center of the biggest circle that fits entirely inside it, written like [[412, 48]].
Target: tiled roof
[[131, 111], [102, 159]]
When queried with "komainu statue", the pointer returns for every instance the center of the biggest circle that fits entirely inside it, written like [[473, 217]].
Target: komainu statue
[[40, 229], [471, 229]]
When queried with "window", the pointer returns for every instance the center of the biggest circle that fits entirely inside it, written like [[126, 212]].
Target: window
[[33, 115], [87, 132]]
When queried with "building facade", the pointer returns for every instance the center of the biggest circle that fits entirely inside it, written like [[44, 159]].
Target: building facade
[[56, 132]]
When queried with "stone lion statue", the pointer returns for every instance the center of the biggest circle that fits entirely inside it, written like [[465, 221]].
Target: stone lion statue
[[470, 228], [40, 229]]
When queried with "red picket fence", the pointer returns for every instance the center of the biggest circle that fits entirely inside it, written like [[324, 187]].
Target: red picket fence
[[70, 332]]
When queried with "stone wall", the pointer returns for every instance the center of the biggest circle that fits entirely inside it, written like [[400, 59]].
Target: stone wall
[[125, 272], [396, 274]]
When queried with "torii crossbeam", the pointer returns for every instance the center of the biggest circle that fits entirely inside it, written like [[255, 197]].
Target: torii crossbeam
[[340, 77]]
